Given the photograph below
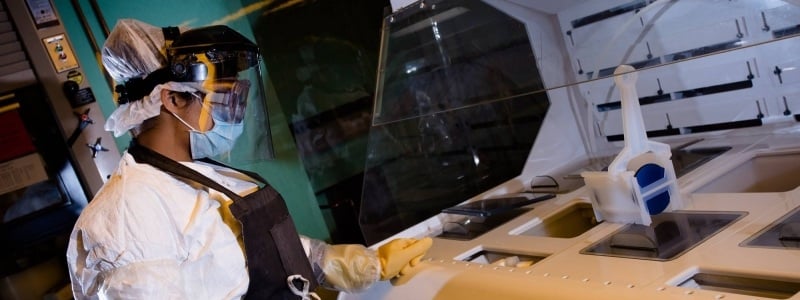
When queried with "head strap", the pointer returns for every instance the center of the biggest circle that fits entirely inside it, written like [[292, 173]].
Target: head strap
[[136, 88]]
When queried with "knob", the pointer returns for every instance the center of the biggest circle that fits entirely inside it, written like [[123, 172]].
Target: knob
[[71, 89]]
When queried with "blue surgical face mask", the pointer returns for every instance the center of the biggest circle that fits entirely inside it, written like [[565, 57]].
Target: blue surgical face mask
[[217, 141]]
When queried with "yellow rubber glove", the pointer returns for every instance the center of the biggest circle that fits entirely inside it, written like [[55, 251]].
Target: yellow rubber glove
[[398, 255], [349, 267]]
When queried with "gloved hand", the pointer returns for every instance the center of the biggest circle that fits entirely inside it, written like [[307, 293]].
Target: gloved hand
[[349, 267], [353, 267], [399, 255]]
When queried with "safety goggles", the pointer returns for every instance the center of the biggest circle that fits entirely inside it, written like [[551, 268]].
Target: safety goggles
[[227, 99]]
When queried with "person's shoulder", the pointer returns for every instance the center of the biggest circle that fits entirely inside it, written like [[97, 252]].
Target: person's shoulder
[[139, 173], [124, 226], [137, 195], [133, 189], [128, 216], [116, 199]]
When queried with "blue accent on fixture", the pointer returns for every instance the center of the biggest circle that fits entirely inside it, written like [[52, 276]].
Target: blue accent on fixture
[[649, 174], [657, 203]]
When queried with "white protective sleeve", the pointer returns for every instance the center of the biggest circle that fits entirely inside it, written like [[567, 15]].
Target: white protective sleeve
[[347, 267], [143, 280]]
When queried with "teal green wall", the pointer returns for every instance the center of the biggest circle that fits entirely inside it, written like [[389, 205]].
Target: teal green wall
[[285, 173]]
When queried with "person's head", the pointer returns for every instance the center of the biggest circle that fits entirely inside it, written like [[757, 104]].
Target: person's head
[[201, 77]]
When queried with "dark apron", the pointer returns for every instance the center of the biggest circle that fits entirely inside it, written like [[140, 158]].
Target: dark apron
[[272, 246]]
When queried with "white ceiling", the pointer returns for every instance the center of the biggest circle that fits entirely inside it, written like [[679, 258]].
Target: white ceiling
[[546, 6]]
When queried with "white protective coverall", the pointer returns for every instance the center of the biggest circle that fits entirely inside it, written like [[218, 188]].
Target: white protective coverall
[[149, 235]]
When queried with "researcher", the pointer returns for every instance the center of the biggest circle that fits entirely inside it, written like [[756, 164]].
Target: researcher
[[175, 221]]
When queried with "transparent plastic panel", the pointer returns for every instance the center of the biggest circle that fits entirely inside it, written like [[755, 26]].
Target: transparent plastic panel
[[445, 55], [466, 89], [417, 167]]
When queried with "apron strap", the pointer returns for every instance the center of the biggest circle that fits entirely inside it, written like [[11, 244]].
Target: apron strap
[[145, 155], [253, 175], [275, 256]]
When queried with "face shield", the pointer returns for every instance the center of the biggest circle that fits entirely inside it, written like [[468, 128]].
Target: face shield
[[224, 68]]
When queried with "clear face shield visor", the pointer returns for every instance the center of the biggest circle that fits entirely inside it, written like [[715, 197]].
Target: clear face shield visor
[[228, 99], [233, 100]]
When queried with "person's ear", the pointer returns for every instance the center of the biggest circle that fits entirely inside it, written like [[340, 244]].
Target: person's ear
[[171, 101], [168, 100]]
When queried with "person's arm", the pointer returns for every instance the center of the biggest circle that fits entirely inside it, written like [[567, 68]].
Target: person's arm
[[142, 280], [353, 267], [98, 272], [124, 245]]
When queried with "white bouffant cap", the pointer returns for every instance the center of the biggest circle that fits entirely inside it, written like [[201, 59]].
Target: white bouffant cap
[[133, 49]]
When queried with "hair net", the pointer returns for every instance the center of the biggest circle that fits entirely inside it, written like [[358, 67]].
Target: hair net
[[129, 115], [133, 49], [136, 49]]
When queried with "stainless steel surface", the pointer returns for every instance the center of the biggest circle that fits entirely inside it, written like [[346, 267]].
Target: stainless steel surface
[[784, 233], [670, 235], [743, 284], [686, 160], [470, 227]]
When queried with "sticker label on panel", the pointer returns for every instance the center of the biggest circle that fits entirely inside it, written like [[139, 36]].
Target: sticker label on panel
[[21, 172], [60, 53], [43, 13]]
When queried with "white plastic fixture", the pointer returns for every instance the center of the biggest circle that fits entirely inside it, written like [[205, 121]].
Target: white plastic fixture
[[641, 180]]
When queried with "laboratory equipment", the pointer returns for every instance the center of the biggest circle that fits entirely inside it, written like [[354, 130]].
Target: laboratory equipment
[[499, 98]]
